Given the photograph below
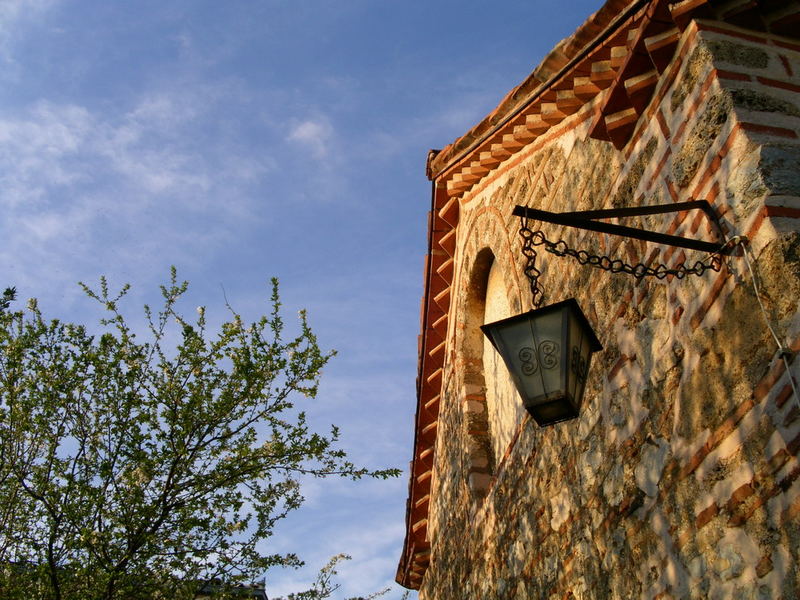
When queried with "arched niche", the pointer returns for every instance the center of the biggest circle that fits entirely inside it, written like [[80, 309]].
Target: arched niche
[[492, 410], [505, 410], [480, 459]]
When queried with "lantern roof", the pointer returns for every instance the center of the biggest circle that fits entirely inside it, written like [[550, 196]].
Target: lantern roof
[[586, 327]]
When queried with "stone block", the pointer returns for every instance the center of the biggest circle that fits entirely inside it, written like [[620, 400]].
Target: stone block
[[736, 53], [704, 131], [778, 165], [763, 101], [651, 465]]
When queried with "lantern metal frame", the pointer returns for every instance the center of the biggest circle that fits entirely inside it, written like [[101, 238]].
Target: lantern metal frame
[[568, 358]]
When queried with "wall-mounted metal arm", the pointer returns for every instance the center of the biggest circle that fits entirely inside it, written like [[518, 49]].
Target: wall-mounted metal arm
[[584, 220]]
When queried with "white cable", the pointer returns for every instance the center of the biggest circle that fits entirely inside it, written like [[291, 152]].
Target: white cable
[[783, 351]]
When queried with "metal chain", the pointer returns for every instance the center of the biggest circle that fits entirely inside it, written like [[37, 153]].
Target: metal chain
[[531, 239], [530, 266]]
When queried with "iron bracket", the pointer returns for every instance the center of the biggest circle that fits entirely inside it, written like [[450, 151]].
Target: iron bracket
[[585, 220]]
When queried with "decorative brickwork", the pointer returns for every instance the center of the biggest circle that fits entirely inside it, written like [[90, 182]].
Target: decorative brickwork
[[680, 477]]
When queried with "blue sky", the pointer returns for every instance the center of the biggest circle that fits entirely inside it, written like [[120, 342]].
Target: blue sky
[[241, 140]]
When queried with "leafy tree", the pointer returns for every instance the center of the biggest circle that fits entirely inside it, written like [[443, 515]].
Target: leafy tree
[[9, 294], [325, 584], [146, 468]]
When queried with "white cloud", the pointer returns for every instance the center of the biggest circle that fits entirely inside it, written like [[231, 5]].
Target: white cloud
[[314, 134], [82, 190], [12, 11], [14, 14], [33, 150], [374, 544]]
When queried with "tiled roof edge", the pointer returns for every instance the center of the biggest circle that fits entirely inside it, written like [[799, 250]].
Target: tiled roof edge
[[559, 58]]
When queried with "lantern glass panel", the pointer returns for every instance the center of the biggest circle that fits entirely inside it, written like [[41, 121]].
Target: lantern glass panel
[[533, 346], [579, 353]]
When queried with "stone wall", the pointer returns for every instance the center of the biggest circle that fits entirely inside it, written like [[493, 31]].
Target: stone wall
[[680, 478]]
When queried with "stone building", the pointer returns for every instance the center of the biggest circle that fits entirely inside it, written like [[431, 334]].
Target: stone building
[[679, 478]]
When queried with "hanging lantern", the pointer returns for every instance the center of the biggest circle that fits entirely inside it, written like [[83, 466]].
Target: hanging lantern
[[547, 351]]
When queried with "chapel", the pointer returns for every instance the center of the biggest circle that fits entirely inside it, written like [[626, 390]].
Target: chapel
[[674, 471]]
